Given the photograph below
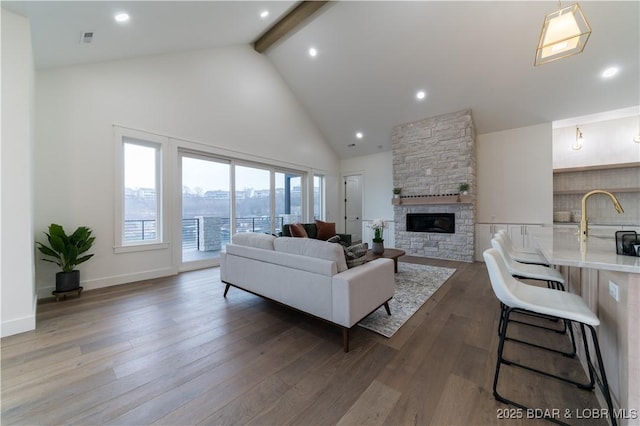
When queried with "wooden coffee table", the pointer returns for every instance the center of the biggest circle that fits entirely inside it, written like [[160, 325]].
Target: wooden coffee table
[[389, 253]]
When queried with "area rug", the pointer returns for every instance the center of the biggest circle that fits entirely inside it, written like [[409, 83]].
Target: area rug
[[414, 285]]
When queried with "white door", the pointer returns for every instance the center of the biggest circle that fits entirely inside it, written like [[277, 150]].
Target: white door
[[353, 206]]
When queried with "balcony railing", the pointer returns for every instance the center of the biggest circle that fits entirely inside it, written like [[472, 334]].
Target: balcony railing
[[145, 229]]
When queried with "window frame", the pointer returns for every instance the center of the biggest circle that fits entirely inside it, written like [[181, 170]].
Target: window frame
[[161, 143]]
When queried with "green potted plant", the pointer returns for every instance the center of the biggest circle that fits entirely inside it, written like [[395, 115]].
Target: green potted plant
[[463, 188], [396, 192], [67, 251]]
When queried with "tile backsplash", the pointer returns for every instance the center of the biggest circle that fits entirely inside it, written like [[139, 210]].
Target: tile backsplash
[[624, 182]]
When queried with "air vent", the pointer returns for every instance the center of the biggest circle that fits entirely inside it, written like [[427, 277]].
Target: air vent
[[87, 37]]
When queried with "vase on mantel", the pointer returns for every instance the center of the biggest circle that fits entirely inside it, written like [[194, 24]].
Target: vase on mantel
[[378, 247]]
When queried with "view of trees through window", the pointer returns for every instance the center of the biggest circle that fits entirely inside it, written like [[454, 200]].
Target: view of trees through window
[[206, 203], [141, 206]]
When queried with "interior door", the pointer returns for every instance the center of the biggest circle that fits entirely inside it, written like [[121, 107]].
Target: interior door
[[353, 206]]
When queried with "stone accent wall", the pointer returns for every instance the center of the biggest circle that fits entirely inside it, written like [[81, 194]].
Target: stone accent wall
[[432, 157]]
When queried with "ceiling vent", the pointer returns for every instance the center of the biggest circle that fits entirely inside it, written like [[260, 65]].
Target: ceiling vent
[[87, 37]]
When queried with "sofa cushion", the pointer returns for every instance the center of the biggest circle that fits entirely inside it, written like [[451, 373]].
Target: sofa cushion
[[356, 255], [326, 230], [253, 239], [314, 248], [297, 230]]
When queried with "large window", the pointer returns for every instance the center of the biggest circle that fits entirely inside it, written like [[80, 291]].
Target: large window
[[253, 199], [141, 191], [318, 197], [288, 199], [206, 207], [140, 179]]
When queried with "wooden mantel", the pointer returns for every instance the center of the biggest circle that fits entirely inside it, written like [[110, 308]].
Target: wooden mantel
[[431, 199]]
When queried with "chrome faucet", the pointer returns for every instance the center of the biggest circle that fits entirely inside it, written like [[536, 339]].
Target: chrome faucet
[[584, 225]]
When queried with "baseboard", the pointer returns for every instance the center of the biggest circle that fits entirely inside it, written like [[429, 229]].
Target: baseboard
[[20, 325], [113, 280]]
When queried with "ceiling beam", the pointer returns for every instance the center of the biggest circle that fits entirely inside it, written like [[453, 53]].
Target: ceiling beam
[[287, 24]]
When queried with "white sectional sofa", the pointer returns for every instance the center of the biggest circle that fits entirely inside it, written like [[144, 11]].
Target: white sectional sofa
[[308, 275]]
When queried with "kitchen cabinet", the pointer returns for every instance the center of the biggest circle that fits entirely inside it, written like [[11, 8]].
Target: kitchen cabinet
[[518, 232]]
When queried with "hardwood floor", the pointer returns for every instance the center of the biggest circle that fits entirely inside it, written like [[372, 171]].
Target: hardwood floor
[[174, 351]]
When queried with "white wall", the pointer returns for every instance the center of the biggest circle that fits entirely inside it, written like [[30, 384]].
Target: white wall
[[606, 142], [377, 173], [16, 229], [227, 99], [515, 176]]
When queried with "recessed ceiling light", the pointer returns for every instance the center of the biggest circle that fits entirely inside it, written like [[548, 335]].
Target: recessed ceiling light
[[313, 52], [359, 135], [264, 14], [421, 95], [610, 72], [122, 17]]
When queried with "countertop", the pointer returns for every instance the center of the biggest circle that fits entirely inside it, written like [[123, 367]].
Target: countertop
[[562, 246]]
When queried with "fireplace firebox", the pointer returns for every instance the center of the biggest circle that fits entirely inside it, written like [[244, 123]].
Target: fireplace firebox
[[431, 222]]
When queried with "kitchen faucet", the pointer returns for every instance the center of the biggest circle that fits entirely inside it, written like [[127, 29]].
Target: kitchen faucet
[[584, 226]]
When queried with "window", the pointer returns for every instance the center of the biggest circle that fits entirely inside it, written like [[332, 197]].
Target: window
[[318, 197], [288, 199], [140, 208], [141, 187]]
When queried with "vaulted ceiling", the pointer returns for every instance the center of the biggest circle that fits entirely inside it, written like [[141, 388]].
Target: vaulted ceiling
[[373, 57]]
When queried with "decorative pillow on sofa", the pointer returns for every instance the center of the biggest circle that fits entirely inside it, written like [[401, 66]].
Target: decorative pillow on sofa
[[297, 230], [326, 230], [356, 254]]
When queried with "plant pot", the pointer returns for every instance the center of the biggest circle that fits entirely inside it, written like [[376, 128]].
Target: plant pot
[[67, 281], [378, 248]]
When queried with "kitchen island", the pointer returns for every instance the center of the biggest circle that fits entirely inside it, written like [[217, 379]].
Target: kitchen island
[[610, 284]]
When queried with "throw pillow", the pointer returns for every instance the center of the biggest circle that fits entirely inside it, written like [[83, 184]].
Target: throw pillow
[[356, 254], [297, 230], [334, 239], [325, 229]]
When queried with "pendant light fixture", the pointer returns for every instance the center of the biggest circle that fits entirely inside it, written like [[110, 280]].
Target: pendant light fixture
[[564, 33], [579, 139]]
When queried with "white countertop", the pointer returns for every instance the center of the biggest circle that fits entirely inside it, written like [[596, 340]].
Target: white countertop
[[562, 246]]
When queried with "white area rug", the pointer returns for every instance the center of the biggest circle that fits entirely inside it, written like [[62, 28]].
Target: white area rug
[[414, 285]]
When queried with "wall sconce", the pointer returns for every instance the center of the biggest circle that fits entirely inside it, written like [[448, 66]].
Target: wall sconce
[[579, 139], [564, 33]]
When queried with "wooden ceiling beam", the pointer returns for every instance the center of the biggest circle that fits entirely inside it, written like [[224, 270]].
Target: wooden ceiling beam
[[287, 24]]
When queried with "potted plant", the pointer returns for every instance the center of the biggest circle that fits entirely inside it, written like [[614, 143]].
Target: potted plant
[[396, 192], [378, 242], [67, 251], [463, 188]]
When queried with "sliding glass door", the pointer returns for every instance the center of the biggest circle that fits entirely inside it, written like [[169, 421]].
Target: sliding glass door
[[206, 207], [221, 197]]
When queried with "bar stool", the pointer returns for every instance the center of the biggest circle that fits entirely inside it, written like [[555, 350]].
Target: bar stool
[[520, 297], [552, 277], [528, 250], [517, 254]]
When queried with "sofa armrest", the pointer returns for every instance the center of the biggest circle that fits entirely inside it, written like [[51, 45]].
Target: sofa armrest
[[358, 291]]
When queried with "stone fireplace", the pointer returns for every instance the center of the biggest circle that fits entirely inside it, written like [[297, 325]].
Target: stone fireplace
[[431, 158]]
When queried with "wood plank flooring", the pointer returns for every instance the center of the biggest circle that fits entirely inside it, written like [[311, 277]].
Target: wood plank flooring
[[173, 351]]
